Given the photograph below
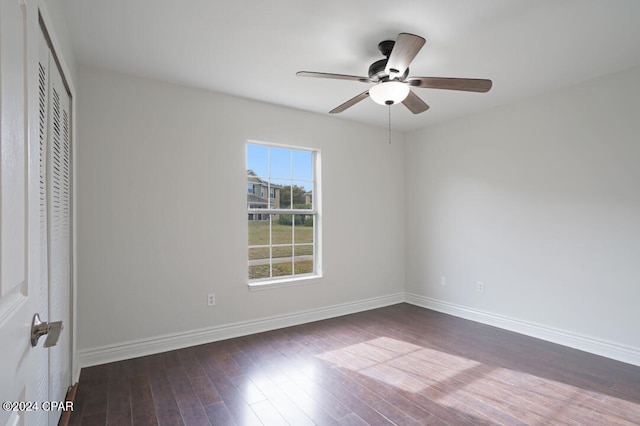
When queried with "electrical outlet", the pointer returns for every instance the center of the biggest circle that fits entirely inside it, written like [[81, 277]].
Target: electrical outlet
[[443, 281], [211, 299], [480, 287]]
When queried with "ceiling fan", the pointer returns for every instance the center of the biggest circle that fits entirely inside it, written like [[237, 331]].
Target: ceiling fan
[[389, 76]]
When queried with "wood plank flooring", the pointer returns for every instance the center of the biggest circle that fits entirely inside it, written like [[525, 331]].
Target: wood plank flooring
[[399, 365]]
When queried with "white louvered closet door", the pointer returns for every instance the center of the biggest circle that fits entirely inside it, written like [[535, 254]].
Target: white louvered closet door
[[59, 206], [43, 308], [55, 221]]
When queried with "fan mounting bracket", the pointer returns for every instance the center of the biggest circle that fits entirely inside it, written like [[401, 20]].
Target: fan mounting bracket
[[385, 47]]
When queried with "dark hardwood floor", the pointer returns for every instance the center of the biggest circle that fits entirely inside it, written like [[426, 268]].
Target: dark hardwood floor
[[400, 365]]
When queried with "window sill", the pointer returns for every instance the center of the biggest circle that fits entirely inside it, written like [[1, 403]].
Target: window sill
[[284, 282]]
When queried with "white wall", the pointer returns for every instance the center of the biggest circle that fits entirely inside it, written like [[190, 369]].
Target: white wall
[[540, 200], [162, 209]]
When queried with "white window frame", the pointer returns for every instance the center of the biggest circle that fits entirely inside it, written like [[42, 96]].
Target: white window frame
[[315, 211]]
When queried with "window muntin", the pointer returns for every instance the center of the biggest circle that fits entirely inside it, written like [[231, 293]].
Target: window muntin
[[283, 222]]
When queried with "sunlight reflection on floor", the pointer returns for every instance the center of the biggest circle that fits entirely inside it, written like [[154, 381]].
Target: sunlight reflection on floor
[[477, 388]]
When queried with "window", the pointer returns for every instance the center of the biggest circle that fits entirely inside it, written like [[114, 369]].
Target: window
[[283, 227]]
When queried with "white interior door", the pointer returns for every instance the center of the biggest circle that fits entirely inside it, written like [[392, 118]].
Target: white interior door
[[35, 219], [18, 220]]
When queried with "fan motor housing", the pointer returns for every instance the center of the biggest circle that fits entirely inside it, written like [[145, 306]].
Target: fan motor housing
[[377, 69], [377, 72]]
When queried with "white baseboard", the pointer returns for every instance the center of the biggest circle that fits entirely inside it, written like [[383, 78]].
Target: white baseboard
[[168, 342], [611, 350]]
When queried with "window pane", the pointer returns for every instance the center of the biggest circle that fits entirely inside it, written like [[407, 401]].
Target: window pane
[[259, 255], [258, 230], [257, 159], [283, 268], [282, 231], [303, 250], [285, 190], [282, 192], [280, 167], [280, 252], [302, 196], [258, 271], [303, 265], [256, 194], [303, 229], [302, 165]]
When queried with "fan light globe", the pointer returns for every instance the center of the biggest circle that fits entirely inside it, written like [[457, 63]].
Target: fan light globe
[[389, 92]]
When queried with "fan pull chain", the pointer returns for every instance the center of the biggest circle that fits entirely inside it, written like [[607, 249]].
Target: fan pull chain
[[389, 106]]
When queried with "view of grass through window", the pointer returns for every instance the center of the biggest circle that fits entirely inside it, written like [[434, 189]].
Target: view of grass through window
[[280, 212]]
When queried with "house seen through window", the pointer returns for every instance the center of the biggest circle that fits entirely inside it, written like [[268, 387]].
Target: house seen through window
[[282, 216]]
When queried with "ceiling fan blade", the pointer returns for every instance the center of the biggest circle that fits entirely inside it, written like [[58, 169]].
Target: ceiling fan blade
[[465, 84], [351, 102], [414, 103], [405, 49], [334, 76]]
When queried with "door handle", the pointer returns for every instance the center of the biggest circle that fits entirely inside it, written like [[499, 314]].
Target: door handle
[[51, 329]]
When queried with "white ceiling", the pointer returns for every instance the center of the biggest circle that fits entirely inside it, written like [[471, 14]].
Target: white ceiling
[[253, 49]]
